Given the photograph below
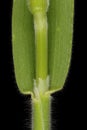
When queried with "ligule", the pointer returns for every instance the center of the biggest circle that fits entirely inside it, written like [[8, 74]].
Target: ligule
[[38, 6]]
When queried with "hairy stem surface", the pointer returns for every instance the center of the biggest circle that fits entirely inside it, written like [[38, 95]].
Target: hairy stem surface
[[41, 112]]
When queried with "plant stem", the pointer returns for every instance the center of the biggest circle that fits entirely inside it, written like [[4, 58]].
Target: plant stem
[[41, 112], [41, 100], [41, 43]]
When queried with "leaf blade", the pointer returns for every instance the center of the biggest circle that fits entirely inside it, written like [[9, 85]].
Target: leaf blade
[[23, 46], [60, 21]]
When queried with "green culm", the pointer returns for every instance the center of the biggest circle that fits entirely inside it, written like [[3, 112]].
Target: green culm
[[42, 33]]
